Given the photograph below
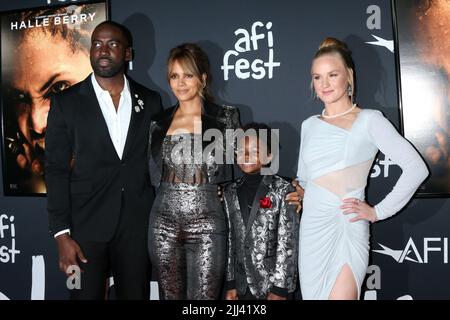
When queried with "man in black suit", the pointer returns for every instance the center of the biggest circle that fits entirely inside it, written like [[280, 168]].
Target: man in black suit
[[98, 185]]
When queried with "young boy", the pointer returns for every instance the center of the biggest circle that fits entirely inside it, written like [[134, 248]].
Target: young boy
[[263, 227]]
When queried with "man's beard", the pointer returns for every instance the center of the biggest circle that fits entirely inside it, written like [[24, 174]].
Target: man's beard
[[107, 72]]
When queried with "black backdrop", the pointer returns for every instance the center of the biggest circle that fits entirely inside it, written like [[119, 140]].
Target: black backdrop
[[411, 261]]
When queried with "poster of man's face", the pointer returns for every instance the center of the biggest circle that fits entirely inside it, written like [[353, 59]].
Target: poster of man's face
[[423, 34], [43, 51]]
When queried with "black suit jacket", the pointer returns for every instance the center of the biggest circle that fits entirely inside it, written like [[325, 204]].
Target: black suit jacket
[[88, 185], [213, 117]]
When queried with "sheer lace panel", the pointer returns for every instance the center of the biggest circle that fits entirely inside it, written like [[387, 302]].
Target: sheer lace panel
[[347, 180], [179, 163]]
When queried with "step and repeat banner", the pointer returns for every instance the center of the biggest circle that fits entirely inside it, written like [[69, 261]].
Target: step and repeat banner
[[260, 53]]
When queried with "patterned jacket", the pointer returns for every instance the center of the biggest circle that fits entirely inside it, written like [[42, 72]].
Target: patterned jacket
[[262, 255]]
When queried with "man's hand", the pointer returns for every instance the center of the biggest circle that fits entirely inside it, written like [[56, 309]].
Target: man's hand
[[69, 253], [231, 295], [296, 197], [273, 296]]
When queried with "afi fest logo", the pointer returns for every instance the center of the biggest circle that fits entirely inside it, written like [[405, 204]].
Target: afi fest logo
[[259, 40], [381, 167], [8, 252], [436, 246]]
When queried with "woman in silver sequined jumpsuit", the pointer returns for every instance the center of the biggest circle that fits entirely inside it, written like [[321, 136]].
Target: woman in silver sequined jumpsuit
[[187, 229]]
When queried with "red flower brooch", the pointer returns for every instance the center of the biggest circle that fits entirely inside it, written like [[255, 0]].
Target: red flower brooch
[[265, 203]]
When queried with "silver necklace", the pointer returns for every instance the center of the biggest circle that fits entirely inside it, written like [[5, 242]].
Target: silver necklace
[[339, 114]]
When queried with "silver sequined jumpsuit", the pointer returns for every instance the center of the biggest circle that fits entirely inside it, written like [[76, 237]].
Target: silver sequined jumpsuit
[[187, 232]]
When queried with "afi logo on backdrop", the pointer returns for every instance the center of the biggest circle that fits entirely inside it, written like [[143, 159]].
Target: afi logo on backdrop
[[381, 168], [258, 40], [437, 247], [8, 251]]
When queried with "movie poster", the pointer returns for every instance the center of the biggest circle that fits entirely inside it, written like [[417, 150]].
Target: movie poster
[[423, 56], [43, 51]]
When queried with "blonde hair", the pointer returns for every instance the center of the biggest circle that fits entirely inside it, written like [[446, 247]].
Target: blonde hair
[[339, 48]]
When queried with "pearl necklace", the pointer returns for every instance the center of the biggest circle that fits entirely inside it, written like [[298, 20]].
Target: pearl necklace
[[339, 114]]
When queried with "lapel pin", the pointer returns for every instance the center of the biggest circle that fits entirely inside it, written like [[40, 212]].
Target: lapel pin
[[141, 104]]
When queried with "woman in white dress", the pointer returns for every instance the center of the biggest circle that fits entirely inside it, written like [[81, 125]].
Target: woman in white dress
[[337, 151]]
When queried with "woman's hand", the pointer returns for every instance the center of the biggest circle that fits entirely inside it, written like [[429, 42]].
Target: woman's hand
[[296, 197], [361, 208]]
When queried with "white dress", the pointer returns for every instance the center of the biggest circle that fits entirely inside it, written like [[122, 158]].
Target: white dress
[[334, 164]]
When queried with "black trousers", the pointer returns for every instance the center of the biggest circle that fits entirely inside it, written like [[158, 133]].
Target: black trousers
[[125, 257]]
